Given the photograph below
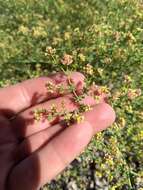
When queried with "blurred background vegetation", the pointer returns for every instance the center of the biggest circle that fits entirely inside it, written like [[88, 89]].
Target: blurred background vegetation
[[108, 36]]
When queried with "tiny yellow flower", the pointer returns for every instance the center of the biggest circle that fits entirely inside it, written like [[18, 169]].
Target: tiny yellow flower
[[82, 57], [67, 35], [78, 117]]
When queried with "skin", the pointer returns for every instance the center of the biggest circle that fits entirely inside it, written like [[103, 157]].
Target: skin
[[32, 154]]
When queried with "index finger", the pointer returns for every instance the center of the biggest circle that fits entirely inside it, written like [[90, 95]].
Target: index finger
[[23, 95]]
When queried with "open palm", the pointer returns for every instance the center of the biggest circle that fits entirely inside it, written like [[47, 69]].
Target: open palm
[[31, 154]]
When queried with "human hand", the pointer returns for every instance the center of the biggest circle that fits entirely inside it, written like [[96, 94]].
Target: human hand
[[32, 154]]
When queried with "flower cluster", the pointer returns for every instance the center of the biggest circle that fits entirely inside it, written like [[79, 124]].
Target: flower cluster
[[40, 114], [99, 93], [133, 93], [88, 69], [50, 51], [59, 88], [50, 87], [67, 59]]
